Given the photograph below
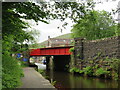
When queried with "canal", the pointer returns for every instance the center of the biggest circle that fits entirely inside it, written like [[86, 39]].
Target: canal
[[67, 80]]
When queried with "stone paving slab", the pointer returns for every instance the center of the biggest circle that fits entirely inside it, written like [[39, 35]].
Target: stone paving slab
[[33, 79]]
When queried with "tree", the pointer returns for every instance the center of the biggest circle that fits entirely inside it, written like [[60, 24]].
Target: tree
[[95, 25]]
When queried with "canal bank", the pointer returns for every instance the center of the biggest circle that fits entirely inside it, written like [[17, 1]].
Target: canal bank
[[33, 79]]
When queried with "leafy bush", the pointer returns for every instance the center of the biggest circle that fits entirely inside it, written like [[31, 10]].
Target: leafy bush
[[74, 69], [71, 49], [12, 72], [101, 71], [53, 83], [43, 73], [23, 64], [40, 71], [88, 71], [81, 71], [115, 76], [115, 64]]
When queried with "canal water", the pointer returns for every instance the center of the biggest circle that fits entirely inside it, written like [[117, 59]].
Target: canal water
[[68, 80]]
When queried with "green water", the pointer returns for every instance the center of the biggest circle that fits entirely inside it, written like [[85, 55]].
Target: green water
[[67, 80]]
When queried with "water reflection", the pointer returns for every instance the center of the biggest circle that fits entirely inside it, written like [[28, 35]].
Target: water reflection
[[67, 80]]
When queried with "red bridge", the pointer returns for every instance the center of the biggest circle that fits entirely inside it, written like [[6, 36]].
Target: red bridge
[[51, 51]]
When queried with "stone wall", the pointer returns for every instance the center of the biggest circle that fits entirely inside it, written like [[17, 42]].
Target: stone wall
[[96, 49]]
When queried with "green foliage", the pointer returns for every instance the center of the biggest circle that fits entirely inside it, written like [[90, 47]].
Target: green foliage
[[12, 72], [88, 70], [91, 62], [96, 66], [118, 30], [74, 69], [13, 34], [53, 83], [95, 25], [78, 55], [101, 71], [115, 64], [111, 71], [41, 71], [23, 64], [71, 49], [115, 76]]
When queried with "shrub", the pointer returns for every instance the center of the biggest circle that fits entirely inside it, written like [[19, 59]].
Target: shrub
[[41, 71], [115, 64], [12, 72], [115, 76], [74, 69], [71, 49], [23, 64], [101, 71], [71, 70], [88, 71], [53, 83], [81, 71]]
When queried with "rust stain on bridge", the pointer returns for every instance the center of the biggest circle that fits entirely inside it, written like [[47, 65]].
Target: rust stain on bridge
[[50, 51]]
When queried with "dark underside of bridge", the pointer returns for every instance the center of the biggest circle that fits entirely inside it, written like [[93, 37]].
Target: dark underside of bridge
[[58, 62]]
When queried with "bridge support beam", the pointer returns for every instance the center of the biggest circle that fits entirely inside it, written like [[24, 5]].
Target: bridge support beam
[[49, 63], [50, 66]]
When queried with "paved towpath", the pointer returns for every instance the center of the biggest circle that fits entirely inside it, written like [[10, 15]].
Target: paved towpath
[[33, 79]]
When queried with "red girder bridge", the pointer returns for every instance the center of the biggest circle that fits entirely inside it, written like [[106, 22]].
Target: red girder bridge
[[50, 51], [61, 56]]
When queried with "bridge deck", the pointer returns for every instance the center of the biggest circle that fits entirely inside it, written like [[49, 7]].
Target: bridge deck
[[51, 51]]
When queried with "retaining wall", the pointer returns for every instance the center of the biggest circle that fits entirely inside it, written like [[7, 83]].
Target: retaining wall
[[96, 49]]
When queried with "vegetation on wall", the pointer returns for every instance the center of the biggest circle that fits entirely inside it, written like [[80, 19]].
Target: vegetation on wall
[[100, 69], [88, 71], [74, 69]]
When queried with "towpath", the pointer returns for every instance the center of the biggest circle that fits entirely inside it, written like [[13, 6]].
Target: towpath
[[33, 79]]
